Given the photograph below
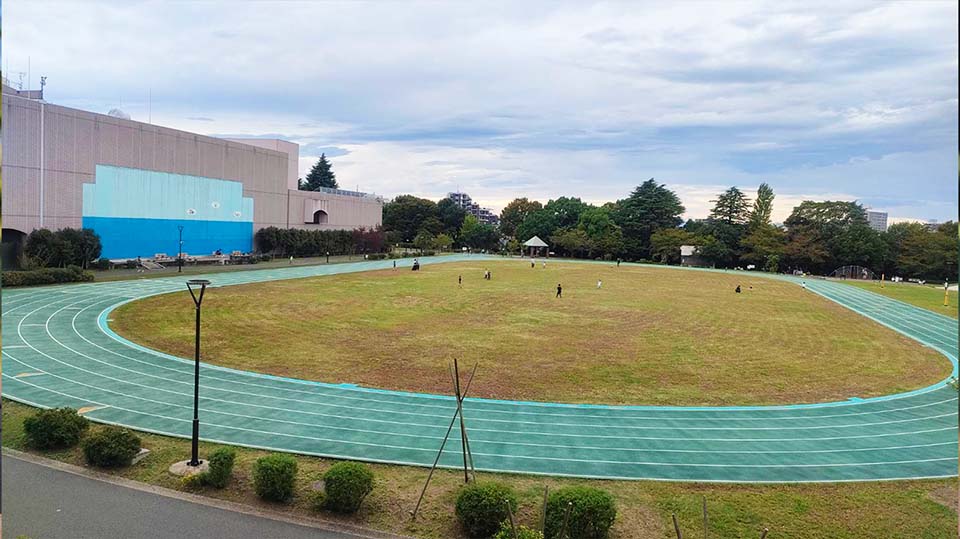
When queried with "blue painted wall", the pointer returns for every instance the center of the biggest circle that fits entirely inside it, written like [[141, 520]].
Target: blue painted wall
[[136, 213]]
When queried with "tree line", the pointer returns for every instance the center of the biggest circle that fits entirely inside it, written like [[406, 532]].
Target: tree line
[[817, 237]]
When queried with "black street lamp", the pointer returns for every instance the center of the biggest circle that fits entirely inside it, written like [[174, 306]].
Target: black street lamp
[[194, 446], [180, 251]]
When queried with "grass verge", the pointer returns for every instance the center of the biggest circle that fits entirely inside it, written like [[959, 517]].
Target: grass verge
[[812, 511], [929, 297]]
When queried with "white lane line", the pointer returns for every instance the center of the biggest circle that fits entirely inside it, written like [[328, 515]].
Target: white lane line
[[499, 456]]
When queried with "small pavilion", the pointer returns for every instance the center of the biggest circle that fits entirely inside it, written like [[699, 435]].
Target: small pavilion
[[538, 244]]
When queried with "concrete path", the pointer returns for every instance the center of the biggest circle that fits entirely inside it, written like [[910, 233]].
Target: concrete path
[[43, 502]]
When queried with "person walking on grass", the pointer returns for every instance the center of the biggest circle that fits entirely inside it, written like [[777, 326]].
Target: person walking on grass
[[618, 262], [544, 264], [599, 284], [394, 265], [533, 262], [460, 281], [559, 291]]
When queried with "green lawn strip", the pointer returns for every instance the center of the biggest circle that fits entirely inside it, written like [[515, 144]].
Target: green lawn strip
[[929, 297], [123, 274], [813, 511], [649, 336]]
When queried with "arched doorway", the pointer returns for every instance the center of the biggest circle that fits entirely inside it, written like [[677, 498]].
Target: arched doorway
[[319, 217], [11, 247]]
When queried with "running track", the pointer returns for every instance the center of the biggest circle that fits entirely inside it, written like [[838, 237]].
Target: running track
[[58, 351]]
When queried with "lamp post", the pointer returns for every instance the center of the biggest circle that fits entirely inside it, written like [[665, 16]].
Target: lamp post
[[197, 299], [180, 251], [328, 257]]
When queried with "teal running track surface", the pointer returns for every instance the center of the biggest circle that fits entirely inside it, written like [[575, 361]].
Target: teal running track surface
[[59, 351]]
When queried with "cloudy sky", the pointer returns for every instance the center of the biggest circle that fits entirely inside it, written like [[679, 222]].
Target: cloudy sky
[[539, 99]]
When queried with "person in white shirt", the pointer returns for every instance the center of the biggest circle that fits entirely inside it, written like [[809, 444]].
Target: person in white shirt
[[599, 284]]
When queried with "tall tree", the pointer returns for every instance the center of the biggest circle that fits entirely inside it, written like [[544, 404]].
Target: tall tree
[[731, 207], [818, 232], [566, 211], [540, 223], [478, 235], [762, 206], [665, 244], [515, 212], [406, 215], [321, 175], [650, 207], [761, 245], [451, 216]]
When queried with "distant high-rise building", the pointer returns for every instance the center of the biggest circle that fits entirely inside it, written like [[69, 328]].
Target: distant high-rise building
[[485, 215], [877, 220]]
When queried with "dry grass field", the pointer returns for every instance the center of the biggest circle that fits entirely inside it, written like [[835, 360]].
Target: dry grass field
[[648, 336]]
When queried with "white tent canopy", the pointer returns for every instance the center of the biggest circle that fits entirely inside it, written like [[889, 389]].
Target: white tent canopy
[[535, 242]]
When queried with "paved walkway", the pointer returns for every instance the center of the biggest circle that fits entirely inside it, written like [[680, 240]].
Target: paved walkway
[[59, 351], [41, 502]]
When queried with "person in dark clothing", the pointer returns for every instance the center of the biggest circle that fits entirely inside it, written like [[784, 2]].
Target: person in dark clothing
[[559, 291], [738, 289], [618, 262], [460, 281]]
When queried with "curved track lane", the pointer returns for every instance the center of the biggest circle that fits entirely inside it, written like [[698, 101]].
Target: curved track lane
[[59, 351]]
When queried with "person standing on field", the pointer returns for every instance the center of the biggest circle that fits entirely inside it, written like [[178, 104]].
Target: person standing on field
[[460, 281], [559, 291], [599, 284]]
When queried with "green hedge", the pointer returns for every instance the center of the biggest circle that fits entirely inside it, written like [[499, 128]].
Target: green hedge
[[299, 242], [482, 507], [69, 274], [591, 515], [274, 477], [58, 428], [111, 447], [346, 484]]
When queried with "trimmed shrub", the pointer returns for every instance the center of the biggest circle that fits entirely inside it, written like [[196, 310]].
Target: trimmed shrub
[[523, 532], [482, 507], [318, 500], [54, 429], [221, 467], [377, 256], [111, 447], [70, 274], [346, 485], [274, 477], [591, 516]]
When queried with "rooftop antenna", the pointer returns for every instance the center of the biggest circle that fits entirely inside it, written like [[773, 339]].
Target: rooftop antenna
[[43, 82]]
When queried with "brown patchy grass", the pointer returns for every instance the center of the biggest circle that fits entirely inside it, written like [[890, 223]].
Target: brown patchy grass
[[812, 511], [649, 336]]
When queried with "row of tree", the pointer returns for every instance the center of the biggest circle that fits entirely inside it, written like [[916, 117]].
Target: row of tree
[[817, 237], [297, 242]]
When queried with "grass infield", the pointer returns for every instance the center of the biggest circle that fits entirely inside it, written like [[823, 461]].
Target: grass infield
[[648, 336]]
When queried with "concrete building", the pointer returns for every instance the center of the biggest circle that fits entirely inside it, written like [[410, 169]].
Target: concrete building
[[485, 215], [135, 183], [877, 220]]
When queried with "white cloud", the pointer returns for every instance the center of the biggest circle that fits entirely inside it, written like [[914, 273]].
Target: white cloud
[[538, 99]]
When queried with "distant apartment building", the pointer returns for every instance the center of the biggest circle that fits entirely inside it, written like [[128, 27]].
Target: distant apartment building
[[877, 220], [484, 215], [932, 225]]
